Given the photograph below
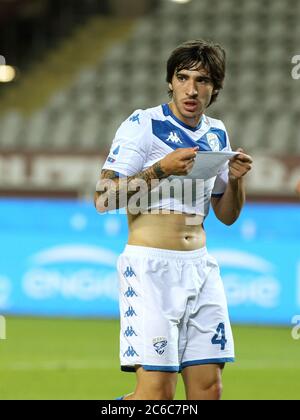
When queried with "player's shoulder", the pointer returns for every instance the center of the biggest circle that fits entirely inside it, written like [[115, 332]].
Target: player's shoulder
[[215, 123], [139, 122], [135, 124]]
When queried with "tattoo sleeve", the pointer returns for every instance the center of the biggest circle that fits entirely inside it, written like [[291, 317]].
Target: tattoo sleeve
[[119, 190]]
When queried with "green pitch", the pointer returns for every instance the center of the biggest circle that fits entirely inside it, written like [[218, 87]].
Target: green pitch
[[71, 359]]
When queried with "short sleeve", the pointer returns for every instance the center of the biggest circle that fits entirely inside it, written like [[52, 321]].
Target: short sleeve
[[222, 177], [130, 148]]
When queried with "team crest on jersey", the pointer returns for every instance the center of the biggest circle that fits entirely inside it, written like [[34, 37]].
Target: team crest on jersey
[[160, 344], [213, 141]]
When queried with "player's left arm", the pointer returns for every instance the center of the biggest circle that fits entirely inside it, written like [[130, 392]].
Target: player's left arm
[[228, 207]]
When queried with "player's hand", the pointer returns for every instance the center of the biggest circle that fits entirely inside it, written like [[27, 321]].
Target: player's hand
[[179, 162], [240, 165]]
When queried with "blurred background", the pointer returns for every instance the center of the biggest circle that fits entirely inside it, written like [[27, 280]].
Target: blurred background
[[70, 72]]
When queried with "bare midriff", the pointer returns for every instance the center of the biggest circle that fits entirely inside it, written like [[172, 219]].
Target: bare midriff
[[180, 232]]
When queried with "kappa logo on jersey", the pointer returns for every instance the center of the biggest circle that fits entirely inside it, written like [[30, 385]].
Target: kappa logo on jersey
[[129, 273], [160, 344], [213, 141], [130, 293], [173, 138], [129, 332], [130, 352], [135, 118], [130, 312]]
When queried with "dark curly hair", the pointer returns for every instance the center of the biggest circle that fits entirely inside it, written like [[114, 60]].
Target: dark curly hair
[[199, 52]]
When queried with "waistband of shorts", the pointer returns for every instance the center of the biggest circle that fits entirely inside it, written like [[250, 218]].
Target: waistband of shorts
[[165, 253]]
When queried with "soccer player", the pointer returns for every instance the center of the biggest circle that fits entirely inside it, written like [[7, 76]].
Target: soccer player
[[174, 316]]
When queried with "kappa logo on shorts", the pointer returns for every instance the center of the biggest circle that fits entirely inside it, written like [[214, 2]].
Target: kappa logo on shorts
[[130, 352], [130, 312], [160, 344], [129, 272], [130, 332], [130, 293]]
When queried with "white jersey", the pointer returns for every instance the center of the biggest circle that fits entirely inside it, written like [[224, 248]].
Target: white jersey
[[147, 136]]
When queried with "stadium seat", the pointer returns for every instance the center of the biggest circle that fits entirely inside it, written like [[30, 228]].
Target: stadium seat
[[36, 128], [60, 137], [10, 130]]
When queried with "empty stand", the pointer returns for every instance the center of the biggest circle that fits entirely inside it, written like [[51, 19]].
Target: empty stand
[[259, 103]]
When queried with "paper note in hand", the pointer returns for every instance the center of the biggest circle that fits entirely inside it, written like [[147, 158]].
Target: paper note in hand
[[208, 164]]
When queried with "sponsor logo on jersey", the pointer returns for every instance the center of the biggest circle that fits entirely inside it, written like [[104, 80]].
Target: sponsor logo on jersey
[[173, 138], [116, 151], [111, 158]]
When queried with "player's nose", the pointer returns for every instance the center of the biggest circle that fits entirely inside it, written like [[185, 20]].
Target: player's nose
[[192, 89]]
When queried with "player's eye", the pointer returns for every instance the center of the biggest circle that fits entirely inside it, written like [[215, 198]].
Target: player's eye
[[204, 80]]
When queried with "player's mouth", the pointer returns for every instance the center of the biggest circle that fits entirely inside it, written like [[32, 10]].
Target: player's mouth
[[190, 105]]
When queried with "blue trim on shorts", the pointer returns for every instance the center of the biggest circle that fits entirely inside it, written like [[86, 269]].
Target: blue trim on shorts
[[161, 368], [150, 368], [207, 362]]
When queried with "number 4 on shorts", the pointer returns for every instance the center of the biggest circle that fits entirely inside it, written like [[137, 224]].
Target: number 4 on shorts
[[220, 337]]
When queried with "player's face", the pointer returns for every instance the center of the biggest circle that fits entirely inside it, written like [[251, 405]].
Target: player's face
[[192, 92]]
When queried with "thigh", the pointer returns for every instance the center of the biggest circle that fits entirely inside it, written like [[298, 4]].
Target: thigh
[[202, 382], [155, 385]]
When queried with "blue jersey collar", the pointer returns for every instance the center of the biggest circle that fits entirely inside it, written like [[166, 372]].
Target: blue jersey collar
[[168, 112]]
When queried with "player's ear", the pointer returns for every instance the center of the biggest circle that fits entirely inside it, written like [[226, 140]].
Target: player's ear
[[215, 91], [171, 87]]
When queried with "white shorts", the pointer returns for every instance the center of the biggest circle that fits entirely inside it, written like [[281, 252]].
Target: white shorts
[[173, 310]]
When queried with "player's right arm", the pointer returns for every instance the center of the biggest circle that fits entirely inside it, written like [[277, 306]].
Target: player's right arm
[[114, 192]]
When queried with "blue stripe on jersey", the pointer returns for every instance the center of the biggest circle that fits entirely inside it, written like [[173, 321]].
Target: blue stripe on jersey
[[176, 138], [168, 113]]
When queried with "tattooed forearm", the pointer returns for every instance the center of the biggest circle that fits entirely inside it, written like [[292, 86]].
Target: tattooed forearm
[[158, 170], [128, 187], [107, 174]]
